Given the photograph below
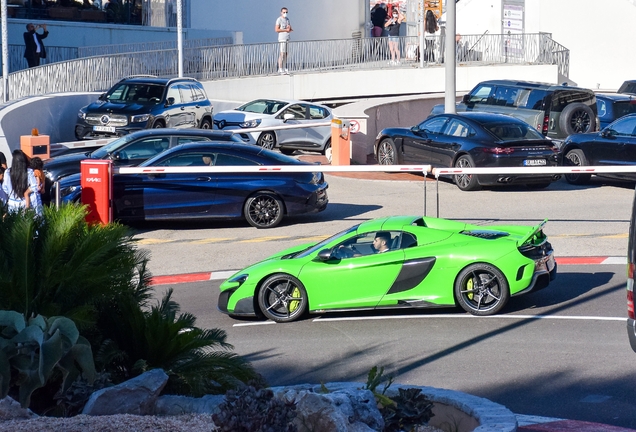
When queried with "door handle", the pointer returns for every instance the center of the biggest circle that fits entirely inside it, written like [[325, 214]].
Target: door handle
[[203, 178]]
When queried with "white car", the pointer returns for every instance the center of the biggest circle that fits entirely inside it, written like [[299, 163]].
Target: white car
[[264, 113]]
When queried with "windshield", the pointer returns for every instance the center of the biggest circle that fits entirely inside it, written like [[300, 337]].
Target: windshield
[[513, 131], [321, 245], [262, 106], [145, 94], [108, 149]]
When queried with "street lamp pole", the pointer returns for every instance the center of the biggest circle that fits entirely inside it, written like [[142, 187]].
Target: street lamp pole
[[5, 52], [450, 59], [179, 35]]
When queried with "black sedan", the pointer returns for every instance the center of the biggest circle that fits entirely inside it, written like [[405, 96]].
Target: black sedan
[[129, 150], [469, 140], [263, 199], [614, 145]]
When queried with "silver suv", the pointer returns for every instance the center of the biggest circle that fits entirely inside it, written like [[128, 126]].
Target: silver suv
[[555, 110]]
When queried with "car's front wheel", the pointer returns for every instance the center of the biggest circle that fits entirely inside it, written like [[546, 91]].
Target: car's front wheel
[[267, 140], [481, 289], [327, 150], [158, 124], [263, 210], [387, 152], [466, 182], [206, 124], [282, 298], [576, 157]]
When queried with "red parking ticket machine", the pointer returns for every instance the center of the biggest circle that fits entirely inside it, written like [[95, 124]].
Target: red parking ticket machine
[[97, 179]]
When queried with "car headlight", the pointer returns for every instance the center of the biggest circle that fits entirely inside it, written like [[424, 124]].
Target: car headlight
[[239, 279], [139, 118], [250, 123], [64, 192], [81, 114]]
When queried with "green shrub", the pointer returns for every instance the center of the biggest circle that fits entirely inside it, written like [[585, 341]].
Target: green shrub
[[410, 409], [35, 348]]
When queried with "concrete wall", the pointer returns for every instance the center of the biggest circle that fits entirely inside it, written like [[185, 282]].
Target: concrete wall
[[361, 83], [310, 20]]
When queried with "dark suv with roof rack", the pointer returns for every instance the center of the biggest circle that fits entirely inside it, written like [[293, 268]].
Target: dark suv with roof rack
[[557, 111], [144, 102]]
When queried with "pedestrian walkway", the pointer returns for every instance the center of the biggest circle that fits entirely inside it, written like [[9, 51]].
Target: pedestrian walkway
[[547, 424]]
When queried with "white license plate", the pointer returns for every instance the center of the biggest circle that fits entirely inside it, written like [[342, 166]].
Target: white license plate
[[110, 129], [534, 162]]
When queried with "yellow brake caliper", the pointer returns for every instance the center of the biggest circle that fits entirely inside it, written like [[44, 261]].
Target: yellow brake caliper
[[293, 305], [469, 287]]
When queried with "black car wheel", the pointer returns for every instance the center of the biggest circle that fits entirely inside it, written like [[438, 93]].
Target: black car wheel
[[387, 152], [481, 289], [267, 140], [466, 182], [263, 210], [158, 124], [576, 157], [282, 298], [577, 118], [206, 124]]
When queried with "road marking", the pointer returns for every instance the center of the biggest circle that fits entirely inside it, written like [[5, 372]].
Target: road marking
[[210, 240], [263, 239], [254, 324], [152, 241], [517, 317]]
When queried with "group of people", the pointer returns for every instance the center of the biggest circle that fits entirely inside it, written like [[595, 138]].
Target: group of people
[[23, 183], [386, 21]]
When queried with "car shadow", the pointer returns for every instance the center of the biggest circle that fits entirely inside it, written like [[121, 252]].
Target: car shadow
[[334, 211]]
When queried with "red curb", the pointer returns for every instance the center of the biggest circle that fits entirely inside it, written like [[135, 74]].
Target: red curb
[[181, 278], [571, 426], [580, 260]]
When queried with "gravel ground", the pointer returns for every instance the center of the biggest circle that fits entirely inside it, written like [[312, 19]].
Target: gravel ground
[[124, 423], [112, 423]]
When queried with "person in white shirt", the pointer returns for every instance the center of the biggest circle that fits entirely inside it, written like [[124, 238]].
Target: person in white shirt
[[283, 28]]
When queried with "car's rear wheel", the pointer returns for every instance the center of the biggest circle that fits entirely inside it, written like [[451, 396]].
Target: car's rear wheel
[[263, 210], [267, 140], [576, 157], [577, 118], [466, 182], [481, 289], [206, 124], [327, 150], [282, 298], [158, 124]]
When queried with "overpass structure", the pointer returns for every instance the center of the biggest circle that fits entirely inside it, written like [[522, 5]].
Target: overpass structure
[[48, 97]]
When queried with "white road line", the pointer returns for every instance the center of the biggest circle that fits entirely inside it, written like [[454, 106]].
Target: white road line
[[517, 317], [221, 275], [254, 324], [615, 260]]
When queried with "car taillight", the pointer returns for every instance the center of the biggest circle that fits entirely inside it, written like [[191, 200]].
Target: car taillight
[[546, 121], [499, 150], [630, 291]]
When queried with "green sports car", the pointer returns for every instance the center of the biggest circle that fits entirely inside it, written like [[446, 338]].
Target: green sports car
[[396, 262]]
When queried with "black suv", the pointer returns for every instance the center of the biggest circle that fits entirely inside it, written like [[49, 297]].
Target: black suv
[[144, 102], [129, 150], [555, 110]]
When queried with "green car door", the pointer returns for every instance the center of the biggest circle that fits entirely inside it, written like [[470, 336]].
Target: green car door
[[351, 282]]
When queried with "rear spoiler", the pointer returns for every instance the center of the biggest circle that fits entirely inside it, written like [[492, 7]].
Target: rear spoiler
[[531, 233]]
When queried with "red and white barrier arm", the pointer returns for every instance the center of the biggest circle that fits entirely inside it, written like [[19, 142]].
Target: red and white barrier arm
[[537, 170], [272, 168]]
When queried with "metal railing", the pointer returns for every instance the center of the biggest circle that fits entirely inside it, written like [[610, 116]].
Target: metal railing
[[54, 54], [98, 73], [102, 50]]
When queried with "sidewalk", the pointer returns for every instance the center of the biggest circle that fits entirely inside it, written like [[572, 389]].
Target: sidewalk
[[546, 424]]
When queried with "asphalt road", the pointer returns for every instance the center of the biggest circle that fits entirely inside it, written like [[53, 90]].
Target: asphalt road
[[561, 352]]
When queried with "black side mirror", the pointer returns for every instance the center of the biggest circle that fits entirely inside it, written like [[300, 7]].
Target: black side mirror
[[102, 97], [607, 133], [466, 98], [415, 129], [114, 156], [170, 101], [324, 255]]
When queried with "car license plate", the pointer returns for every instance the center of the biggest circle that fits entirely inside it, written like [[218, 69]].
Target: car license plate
[[534, 162], [110, 129]]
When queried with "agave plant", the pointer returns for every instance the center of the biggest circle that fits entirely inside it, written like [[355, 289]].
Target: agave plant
[[58, 264], [198, 361]]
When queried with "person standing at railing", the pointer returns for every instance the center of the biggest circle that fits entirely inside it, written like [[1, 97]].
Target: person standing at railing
[[378, 18], [430, 27], [34, 48], [392, 27], [283, 28]]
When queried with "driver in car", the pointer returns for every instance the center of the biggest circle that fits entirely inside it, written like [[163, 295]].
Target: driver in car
[[380, 245]]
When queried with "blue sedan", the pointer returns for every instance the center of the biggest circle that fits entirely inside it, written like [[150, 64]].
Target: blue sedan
[[614, 106], [263, 199]]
